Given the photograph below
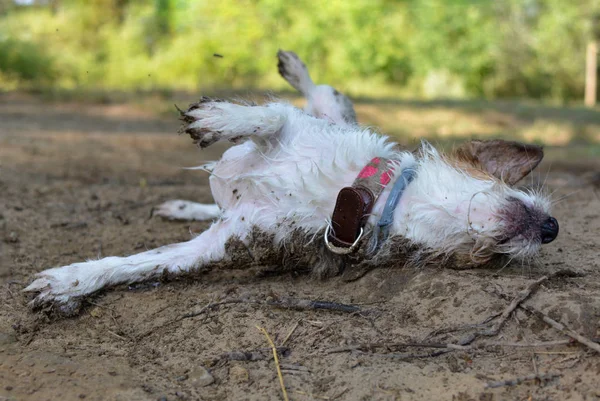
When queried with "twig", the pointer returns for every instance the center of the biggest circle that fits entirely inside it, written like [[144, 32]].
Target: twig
[[116, 335], [462, 345], [519, 380], [562, 328], [253, 355], [522, 296], [362, 347], [276, 359], [557, 353], [291, 332], [303, 304], [528, 345], [406, 356], [559, 326], [285, 303], [291, 366]]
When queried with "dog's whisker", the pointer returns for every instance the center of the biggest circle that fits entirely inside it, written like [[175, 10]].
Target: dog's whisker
[[563, 197]]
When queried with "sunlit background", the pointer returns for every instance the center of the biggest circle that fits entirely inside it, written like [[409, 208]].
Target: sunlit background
[[416, 68]]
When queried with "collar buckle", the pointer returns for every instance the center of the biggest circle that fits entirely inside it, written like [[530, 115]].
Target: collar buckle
[[338, 250]]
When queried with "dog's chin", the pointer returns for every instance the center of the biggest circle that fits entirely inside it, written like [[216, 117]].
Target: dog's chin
[[520, 248]]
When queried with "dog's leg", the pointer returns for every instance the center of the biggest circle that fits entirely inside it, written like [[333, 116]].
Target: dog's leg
[[323, 101], [293, 70], [209, 121], [176, 209], [65, 286]]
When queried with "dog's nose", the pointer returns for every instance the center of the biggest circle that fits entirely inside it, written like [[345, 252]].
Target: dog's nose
[[549, 230]]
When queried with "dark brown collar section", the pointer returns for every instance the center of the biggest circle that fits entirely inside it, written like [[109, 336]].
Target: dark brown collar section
[[354, 205]]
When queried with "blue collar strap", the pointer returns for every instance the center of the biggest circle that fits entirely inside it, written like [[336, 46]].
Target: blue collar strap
[[382, 230]]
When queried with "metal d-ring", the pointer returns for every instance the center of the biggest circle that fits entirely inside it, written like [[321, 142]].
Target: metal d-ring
[[339, 250]]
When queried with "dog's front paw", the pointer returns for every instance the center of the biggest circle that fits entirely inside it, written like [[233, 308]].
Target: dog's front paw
[[177, 209], [56, 292], [198, 122]]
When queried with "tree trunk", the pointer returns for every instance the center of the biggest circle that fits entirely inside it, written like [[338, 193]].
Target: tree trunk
[[591, 67]]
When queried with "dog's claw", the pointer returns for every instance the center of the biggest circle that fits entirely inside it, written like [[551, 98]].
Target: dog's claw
[[194, 123], [38, 285], [58, 290], [46, 298]]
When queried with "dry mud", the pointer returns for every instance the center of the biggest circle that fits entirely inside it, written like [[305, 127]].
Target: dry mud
[[78, 182]]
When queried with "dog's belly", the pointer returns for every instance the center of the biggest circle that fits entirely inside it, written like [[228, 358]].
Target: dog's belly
[[279, 184]]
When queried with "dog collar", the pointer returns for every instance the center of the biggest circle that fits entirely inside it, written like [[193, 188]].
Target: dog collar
[[382, 230], [354, 204]]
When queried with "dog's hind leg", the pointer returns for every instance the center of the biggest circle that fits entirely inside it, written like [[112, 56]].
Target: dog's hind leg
[[323, 101], [176, 209], [293, 70], [209, 121], [64, 287]]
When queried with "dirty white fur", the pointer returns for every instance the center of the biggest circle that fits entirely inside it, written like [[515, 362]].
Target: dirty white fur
[[322, 101], [286, 176]]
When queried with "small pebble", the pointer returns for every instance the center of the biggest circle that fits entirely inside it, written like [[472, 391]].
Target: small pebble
[[200, 377], [8, 388], [238, 374], [13, 237]]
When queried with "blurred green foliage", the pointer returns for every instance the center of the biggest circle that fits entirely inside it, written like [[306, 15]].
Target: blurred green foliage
[[424, 48]]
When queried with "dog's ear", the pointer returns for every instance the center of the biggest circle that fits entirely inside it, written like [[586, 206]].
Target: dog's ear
[[508, 161]]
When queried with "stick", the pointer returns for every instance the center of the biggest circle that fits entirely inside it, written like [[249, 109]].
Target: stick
[[285, 303], [559, 326], [564, 329], [361, 347], [407, 356], [303, 304], [285, 395], [522, 296], [461, 345], [253, 355], [528, 345], [519, 380], [290, 333]]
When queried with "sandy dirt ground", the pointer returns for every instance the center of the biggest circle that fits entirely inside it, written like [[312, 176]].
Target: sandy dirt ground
[[78, 182]]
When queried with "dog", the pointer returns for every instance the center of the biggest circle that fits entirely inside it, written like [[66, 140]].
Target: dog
[[305, 193], [322, 101]]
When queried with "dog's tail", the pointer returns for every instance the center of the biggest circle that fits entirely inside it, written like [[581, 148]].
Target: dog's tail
[[293, 70]]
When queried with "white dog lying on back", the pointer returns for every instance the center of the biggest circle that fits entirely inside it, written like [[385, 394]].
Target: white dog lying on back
[[277, 191]]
